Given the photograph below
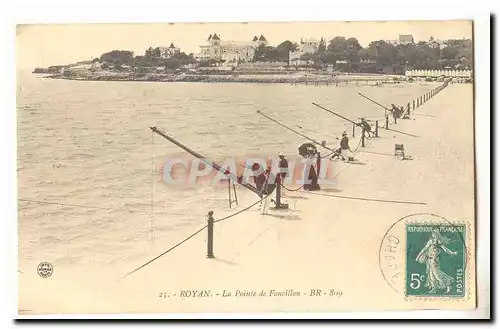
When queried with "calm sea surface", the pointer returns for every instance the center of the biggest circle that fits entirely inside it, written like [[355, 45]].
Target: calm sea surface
[[89, 144]]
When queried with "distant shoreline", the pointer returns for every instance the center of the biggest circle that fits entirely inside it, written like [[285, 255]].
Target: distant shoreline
[[289, 78]]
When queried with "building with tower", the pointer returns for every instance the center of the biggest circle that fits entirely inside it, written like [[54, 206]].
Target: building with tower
[[167, 52], [306, 46], [230, 51]]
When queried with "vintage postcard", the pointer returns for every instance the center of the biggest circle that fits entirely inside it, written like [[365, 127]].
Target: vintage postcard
[[246, 167]]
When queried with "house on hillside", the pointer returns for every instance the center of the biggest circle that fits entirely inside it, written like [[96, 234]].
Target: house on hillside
[[168, 52], [306, 46], [229, 51], [435, 43], [405, 39]]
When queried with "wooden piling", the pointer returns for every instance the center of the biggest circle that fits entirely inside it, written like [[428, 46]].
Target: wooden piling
[[210, 235], [362, 136]]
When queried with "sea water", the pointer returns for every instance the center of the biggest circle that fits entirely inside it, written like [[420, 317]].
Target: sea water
[[85, 148]]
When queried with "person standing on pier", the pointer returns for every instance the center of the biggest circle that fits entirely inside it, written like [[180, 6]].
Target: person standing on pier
[[395, 112], [283, 166], [313, 175], [366, 126], [261, 179], [344, 147]]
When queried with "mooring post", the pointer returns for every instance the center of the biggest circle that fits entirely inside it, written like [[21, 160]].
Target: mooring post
[[229, 190], [278, 191], [210, 235], [386, 121], [362, 136], [353, 128], [376, 128]]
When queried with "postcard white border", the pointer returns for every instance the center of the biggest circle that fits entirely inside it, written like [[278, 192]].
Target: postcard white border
[[155, 11]]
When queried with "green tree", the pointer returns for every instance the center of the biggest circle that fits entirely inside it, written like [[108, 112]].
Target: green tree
[[321, 48], [283, 50], [266, 54], [385, 52], [118, 57]]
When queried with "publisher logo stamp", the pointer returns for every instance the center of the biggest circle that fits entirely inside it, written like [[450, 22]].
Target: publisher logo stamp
[[44, 269]]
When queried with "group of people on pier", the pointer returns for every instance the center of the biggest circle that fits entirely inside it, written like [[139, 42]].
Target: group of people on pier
[[309, 150]]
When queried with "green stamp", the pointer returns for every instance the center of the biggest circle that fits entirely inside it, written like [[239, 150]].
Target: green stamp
[[435, 260]]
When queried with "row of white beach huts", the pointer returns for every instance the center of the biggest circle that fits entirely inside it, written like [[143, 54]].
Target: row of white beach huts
[[439, 73]]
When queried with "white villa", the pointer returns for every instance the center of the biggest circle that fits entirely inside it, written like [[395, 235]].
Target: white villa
[[306, 46], [403, 39], [167, 52], [230, 51]]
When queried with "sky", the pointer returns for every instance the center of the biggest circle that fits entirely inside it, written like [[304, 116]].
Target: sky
[[42, 45]]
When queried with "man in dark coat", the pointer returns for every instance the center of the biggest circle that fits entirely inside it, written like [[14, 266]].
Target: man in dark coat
[[344, 146], [313, 176], [396, 112], [283, 166], [366, 126]]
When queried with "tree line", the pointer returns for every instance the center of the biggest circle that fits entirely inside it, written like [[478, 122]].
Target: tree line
[[346, 54], [152, 58]]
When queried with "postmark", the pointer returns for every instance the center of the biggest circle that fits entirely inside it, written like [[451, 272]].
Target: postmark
[[425, 256], [45, 269]]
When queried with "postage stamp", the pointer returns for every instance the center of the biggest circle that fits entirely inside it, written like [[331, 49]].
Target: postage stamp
[[435, 260]]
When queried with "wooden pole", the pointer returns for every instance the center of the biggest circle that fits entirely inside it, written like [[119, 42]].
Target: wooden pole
[[210, 235], [205, 160], [376, 128], [278, 191], [229, 190]]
